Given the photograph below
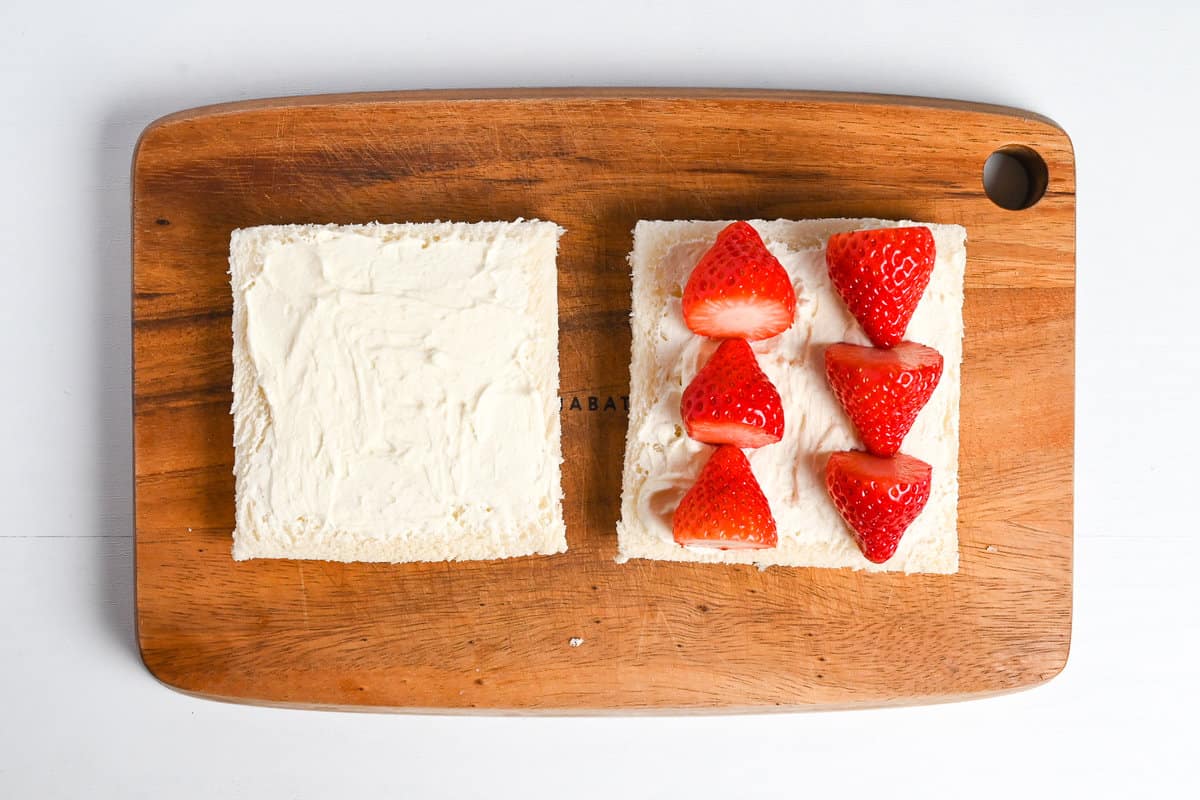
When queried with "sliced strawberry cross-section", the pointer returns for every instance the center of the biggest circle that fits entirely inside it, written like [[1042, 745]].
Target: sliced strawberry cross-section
[[731, 400], [738, 290], [726, 508], [881, 274], [877, 497], [883, 391]]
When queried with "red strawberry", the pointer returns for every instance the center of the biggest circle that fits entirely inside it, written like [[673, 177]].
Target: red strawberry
[[883, 390], [726, 508], [878, 497], [881, 274], [739, 290], [731, 400]]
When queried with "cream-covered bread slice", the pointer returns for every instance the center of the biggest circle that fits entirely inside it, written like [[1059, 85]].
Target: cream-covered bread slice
[[395, 391], [661, 462]]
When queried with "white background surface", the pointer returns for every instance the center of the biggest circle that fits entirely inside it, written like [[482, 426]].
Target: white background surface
[[79, 716]]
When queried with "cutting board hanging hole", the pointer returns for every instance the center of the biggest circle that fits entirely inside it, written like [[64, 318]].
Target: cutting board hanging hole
[[1015, 177]]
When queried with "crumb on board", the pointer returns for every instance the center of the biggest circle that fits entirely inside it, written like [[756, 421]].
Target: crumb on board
[[991, 548], [575, 641]]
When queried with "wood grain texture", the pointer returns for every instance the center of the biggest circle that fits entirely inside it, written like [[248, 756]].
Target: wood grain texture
[[655, 635]]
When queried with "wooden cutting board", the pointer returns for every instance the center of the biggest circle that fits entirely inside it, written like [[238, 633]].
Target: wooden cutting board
[[648, 635]]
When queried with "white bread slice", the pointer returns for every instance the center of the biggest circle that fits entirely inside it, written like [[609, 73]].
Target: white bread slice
[[661, 462], [395, 391]]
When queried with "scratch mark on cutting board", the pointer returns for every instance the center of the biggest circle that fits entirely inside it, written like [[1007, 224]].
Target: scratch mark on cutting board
[[303, 595], [665, 622]]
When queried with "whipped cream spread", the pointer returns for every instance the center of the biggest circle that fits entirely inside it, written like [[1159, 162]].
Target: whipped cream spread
[[662, 463], [395, 391]]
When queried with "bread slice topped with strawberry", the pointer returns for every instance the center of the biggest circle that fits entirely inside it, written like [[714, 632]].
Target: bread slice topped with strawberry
[[719, 332]]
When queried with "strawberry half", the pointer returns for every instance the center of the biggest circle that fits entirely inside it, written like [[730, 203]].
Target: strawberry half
[[738, 290], [725, 508], [732, 401], [881, 274], [877, 497], [883, 391]]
